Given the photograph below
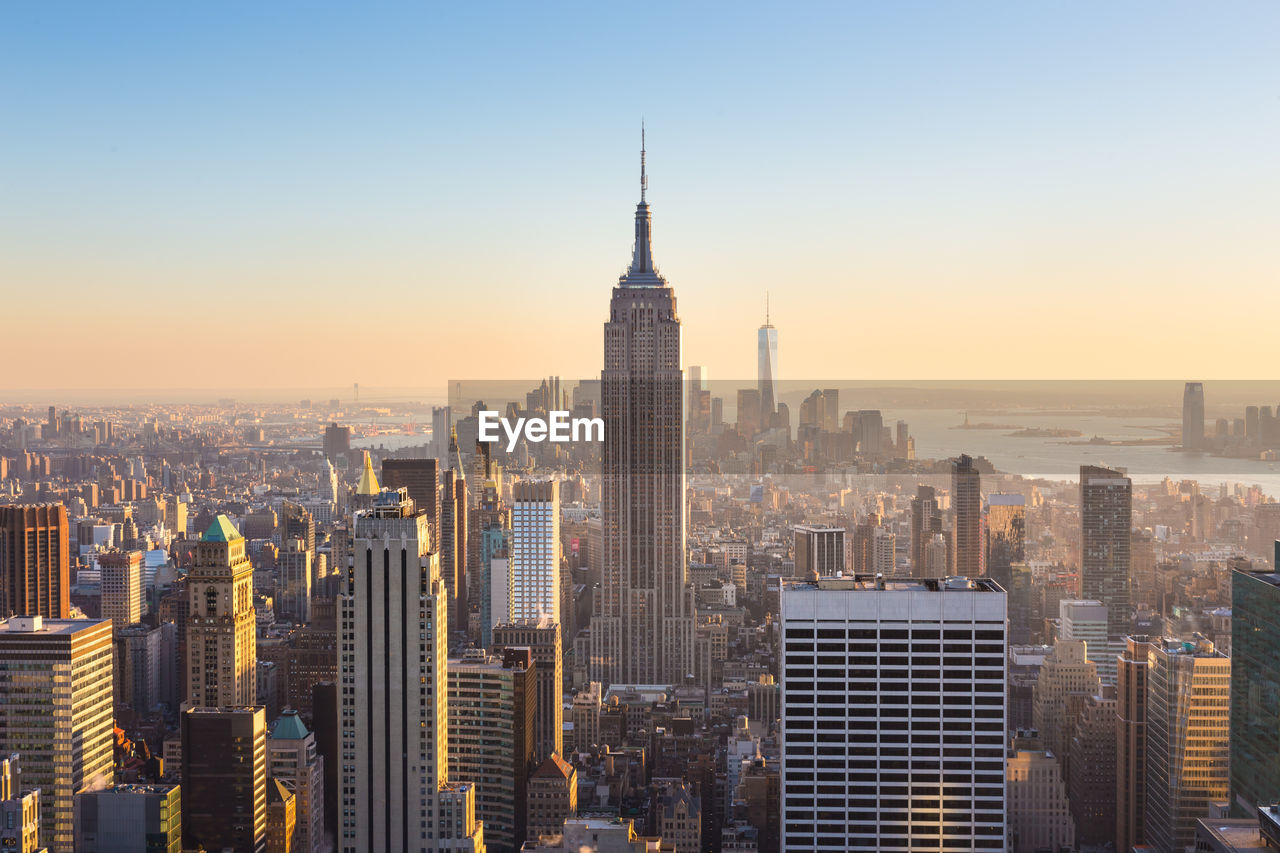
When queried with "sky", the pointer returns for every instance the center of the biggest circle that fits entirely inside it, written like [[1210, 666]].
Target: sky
[[306, 195]]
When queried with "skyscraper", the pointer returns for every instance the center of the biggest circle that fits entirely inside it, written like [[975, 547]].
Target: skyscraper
[[1193, 416], [535, 550], [542, 638], [1106, 506], [422, 478], [221, 625], [881, 679], [55, 677], [394, 694], [129, 817], [1188, 726], [224, 778], [35, 575], [121, 585], [1255, 690], [491, 540], [767, 366], [642, 627], [1131, 743], [1006, 537], [452, 542], [292, 757], [818, 550], [926, 520], [966, 501]]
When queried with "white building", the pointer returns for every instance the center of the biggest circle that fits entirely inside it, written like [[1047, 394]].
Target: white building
[[392, 662], [893, 714], [535, 550], [1087, 620]]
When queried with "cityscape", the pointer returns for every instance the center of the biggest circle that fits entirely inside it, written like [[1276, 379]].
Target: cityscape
[[626, 602]]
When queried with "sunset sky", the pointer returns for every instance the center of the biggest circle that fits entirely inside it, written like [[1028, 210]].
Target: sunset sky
[[304, 195]]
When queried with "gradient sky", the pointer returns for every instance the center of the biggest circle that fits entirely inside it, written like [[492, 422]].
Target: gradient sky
[[224, 195]]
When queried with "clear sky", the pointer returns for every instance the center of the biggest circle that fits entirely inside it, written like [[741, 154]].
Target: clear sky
[[216, 194]]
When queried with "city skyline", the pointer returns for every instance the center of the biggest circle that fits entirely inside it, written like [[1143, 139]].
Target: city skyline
[[875, 162]]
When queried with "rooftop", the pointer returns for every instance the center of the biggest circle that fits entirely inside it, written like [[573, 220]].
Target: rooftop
[[289, 727], [877, 582], [221, 530]]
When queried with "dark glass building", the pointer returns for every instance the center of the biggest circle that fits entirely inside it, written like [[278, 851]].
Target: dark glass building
[[1255, 690]]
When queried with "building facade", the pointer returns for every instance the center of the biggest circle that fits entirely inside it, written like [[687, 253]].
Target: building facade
[[35, 578], [221, 624], [224, 778], [1255, 691], [535, 550]]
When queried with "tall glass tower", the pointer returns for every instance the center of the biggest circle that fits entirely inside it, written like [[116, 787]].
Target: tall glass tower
[[642, 627], [767, 367]]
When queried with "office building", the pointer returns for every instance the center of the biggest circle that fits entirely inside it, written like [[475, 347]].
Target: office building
[[1131, 743], [421, 478], [55, 677], [1188, 728], [818, 550], [393, 722], [542, 638], [293, 590], [1006, 535], [1039, 811], [141, 666], [767, 366], [221, 627], [1091, 768], [129, 819], [122, 592], [926, 522], [1087, 621], [490, 539], [966, 505], [19, 810], [1255, 690], [552, 798], [1106, 506], [642, 623], [282, 818], [1193, 416], [337, 441], [453, 541], [535, 550], [292, 758], [878, 678], [680, 819], [1067, 679], [35, 577], [224, 778], [491, 736]]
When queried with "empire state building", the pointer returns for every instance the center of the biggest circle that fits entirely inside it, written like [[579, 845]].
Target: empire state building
[[642, 625]]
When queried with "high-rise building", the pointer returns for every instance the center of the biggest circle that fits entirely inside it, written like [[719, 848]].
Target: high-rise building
[[1087, 621], [642, 625], [1193, 416], [453, 542], [292, 758], [491, 711], [140, 666], [1255, 690], [1106, 507], [542, 638], [966, 504], [490, 540], [1039, 810], [1006, 536], [818, 550], [121, 584], [35, 577], [282, 818], [1131, 743], [880, 678], [926, 521], [295, 522], [128, 818], [1091, 768], [421, 477], [224, 778], [337, 441], [55, 677], [221, 625], [1067, 679], [19, 810], [293, 591], [767, 365], [535, 549], [393, 629], [1188, 728]]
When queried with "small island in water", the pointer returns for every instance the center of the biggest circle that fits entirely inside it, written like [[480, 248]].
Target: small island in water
[[1045, 432]]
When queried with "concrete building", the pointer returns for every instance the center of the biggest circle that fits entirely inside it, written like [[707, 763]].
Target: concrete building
[[1067, 679], [292, 758], [863, 722], [1106, 509], [1131, 743], [56, 679], [542, 638], [139, 666], [1088, 621], [535, 550], [552, 797], [1188, 729], [966, 505], [293, 586], [282, 818], [1091, 768], [122, 590], [393, 633], [224, 778], [129, 818], [680, 819], [820, 550], [1039, 811], [35, 574], [491, 736], [19, 810], [221, 625]]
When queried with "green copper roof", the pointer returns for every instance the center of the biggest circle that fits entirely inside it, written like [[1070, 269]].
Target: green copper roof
[[289, 727], [222, 530]]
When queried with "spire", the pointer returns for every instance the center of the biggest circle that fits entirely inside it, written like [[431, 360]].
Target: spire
[[368, 484], [766, 307], [642, 272]]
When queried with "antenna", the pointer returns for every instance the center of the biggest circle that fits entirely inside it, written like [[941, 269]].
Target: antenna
[[766, 307], [644, 180]]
